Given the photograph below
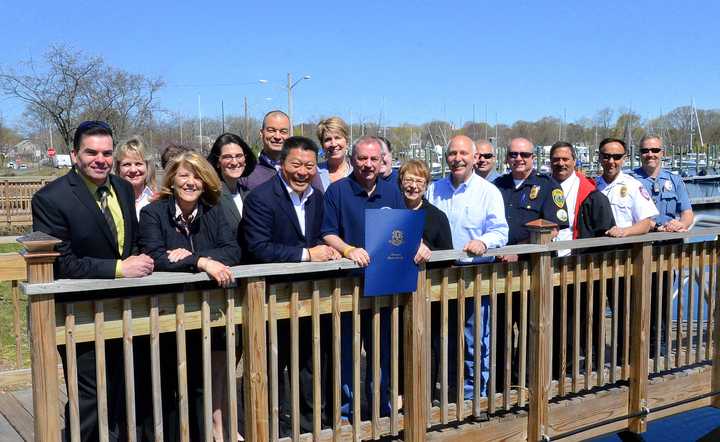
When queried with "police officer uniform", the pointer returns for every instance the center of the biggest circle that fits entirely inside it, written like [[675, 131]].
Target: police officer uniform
[[668, 192], [629, 199], [538, 197]]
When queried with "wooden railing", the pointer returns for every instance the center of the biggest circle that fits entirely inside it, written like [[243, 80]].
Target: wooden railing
[[570, 374], [15, 197], [13, 271]]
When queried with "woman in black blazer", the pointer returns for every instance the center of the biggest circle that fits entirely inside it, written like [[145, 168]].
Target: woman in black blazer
[[232, 159], [186, 231]]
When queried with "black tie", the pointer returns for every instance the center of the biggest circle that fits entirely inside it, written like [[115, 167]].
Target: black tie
[[103, 193]]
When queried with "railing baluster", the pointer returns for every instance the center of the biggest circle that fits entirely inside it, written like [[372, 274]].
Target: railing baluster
[[72, 374], [715, 384], [508, 324], [336, 357], [460, 356], [16, 323], [101, 371], [478, 342], [524, 282], [444, 355], [615, 293], [601, 318], [493, 339], [658, 307], [670, 275], [429, 380], [375, 357], [679, 317], [357, 418], [589, 288], [295, 362], [317, 372], [255, 357], [626, 315], [129, 368], [230, 361], [274, 379], [155, 367], [691, 304], [701, 301], [394, 362], [711, 302], [182, 366], [577, 313], [563, 326], [416, 369], [207, 365]]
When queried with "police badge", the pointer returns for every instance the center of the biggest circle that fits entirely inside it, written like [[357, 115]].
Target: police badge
[[558, 198], [534, 192], [623, 191], [397, 238], [562, 215], [668, 186]]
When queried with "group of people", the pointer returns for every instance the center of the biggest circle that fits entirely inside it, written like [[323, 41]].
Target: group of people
[[287, 205]]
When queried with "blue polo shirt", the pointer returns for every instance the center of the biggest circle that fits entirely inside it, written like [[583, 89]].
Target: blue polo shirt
[[345, 204], [668, 192]]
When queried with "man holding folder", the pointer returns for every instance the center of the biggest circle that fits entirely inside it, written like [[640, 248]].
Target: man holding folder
[[344, 229]]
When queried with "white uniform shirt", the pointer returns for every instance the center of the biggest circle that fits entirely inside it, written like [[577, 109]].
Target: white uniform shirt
[[629, 200]]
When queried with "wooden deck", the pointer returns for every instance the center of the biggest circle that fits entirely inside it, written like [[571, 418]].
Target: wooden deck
[[16, 415]]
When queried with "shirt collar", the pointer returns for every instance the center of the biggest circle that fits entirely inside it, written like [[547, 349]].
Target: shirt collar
[[360, 190], [179, 215], [94, 187], [265, 160], [464, 184]]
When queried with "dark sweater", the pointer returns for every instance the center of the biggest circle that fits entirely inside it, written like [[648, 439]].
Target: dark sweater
[[437, 234]]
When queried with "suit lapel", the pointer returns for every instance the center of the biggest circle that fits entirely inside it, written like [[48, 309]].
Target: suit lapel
[[230, 202], [82, 193], [287, 205]]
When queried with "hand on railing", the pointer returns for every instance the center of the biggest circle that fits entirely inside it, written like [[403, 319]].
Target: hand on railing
[[176, 255], [323, 253], [359, 256], [673, 226], [217, 271], [137, 266], [475, 246], [423, 253]]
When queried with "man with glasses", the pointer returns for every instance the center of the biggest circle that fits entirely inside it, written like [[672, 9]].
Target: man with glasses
[[668, 190], [93, 213], [486, 160], [630, 201], [273, 133], [475, 210]]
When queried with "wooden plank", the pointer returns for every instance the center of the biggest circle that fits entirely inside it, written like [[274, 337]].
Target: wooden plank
[[336, 356], [523, 333], [20, 420], [699, 332], [493, 340], [12, 267], [274, 375], [230, 361], [255, 357], [444, 353], [691, 304], [477, 362], [626, 316], [600, 369], [716, 332], [72, 375], [183, 402], [101, 372], [711, 302], [507, 323], [16, 323], [670, 275], [295, 364], [7, 432], [460, 356], [207, 366], [563, 326], [429, 332], [44, 367], [317, 373], [416, 370], [589, 289], [576, 325], [679, 327], [639, 331], [659, 306], [356, 359], [394, 362], [155, 368], [375, 358], [129, 369]]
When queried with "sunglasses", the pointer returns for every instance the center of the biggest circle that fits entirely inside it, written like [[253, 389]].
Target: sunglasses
[[614, 156], [487, 156], [521, 154], [647, 150]]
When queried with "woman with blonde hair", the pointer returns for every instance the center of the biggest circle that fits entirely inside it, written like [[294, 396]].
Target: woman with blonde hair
[[132, 165], [334, 139], [185, 230]]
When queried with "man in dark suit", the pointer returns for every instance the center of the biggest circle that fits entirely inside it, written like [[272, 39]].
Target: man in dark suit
[[93, 214], [281, 223]]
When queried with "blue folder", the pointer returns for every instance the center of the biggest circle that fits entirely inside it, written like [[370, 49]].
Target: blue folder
[[392, 237]]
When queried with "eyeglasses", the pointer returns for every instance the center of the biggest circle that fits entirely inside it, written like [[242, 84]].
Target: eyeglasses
[[273, 131], [520, 154], [487, 156], [227, 157], [614, 156], [647, 150], [417, 181]]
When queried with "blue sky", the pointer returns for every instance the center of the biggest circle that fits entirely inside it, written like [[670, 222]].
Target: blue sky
[[415, 61]]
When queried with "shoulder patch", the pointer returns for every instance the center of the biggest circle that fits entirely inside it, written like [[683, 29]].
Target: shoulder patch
[[562, 215], [558, 198], [644, 192]]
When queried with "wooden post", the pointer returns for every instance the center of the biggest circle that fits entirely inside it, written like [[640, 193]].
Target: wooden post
[[715, 401], [639, 334], [540, 335], [255, 348], [415, 354], [39, 256]]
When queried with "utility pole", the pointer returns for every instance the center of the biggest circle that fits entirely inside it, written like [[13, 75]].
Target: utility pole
[[289, 91], [247, 121], [200, 124], [222, 111]]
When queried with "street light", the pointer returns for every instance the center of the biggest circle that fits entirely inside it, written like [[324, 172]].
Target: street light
[[290, 86]]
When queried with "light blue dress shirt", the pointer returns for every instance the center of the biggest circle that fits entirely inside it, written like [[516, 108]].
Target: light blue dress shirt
[[475, 210], [668, 192]]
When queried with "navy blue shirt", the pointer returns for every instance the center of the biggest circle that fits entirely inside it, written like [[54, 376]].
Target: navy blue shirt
[[392, 178], [345, 204], [538, 197]]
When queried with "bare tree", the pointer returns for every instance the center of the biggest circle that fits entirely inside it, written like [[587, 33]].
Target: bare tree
[[69, 86]]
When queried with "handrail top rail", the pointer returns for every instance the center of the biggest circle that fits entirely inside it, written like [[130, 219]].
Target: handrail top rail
[[62, 286]]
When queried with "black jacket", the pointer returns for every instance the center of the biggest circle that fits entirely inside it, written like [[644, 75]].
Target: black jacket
[[595, 216], [66, 209], [229, 209], [436, 234], [209, 237]]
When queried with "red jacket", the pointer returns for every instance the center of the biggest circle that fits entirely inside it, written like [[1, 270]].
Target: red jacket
[[586, 186]]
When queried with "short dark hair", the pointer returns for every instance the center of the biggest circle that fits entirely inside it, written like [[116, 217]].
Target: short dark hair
[[230, 138], [302, 143], [561, 144], [171, 151], [612, 140], [90, 127]]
